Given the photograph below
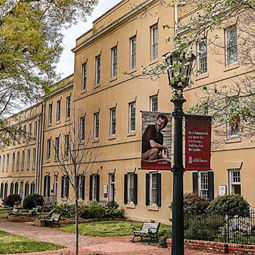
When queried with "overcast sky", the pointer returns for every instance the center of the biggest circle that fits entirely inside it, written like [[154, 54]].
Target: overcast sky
[[66, 64]]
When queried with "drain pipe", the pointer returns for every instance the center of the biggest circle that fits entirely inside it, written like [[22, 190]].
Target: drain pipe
[[176, 15]]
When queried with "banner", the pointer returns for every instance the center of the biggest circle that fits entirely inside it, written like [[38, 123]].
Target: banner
[[156, 141], [198, 142]]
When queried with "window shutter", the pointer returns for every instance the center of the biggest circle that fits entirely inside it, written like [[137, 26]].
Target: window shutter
[[159, 189], [195, 183], [98, 187], [83, 187], [62, 186], [90, 186], [67, 184], [147, 190], [211, 185], [135, 189], [125, 188]]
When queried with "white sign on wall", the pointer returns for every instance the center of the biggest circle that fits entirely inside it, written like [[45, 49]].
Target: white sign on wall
[[222, 190]]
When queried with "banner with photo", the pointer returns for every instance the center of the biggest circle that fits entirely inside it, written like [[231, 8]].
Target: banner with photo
[[156, 140]]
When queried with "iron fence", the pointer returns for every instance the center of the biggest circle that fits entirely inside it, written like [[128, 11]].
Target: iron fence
[[221, 228]]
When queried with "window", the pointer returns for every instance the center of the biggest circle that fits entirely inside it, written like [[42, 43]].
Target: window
[[133, 52], [96, 125], [0, 160], [94, 187], [98, 69], [19, 138], [26, 189], [6, 190], [35, 130], [16, 188], [58, 110], [17, 167], [65, 186], [233, 130], [34, 158], [153, 189], [48, 149], [84, 76], [11, 188], [3, 163], [154, 42], [111, 187], [57, 148], [82, 128], [30, 130], [68, 107], [114, 61], [32, 189], [7, 162], [231, 45], [2, 190], [154, 103], [81, 186], [130, 185], [25, 133], [203, 184], [67, 145], [113, 121], [46, 191], [50, 114], [202, 57], [28, 159], [132, 108], [13, 161], [22, 160], [235, 182]]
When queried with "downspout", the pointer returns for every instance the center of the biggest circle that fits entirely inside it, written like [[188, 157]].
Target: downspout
[[41, 149], [176, 15]]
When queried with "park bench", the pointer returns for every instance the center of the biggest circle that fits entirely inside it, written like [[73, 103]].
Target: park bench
[[15, 210], [146, 230], [53, 220]]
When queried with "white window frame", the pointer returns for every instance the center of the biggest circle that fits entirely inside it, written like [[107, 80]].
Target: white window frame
[[95, 187], [13, 161], [98, 69], [113, 121], [23, 160], [202, 57], [153, 189], [34, 158], [114, 61], [84, 76], [56, 148], [231, 45], [82, 126], [80, 185], [133, 52], [131, 188], [48, 149], [65, 188], [50, 114], [203, 183], [58, 110], [7, 162], [154, 103], [232, 134], [234, 180], [17, 167], [96, 125], [154, 42], [132, 116]]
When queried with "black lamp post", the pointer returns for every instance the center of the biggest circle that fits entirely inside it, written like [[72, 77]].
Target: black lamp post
[[179, 69]]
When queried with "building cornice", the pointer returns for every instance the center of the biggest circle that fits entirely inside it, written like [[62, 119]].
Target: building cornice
[[113, 24]]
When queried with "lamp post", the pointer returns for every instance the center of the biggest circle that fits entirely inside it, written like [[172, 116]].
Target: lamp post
[[179, 69]]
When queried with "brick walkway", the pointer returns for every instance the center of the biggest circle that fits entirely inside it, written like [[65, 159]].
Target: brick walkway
[[88, 244]]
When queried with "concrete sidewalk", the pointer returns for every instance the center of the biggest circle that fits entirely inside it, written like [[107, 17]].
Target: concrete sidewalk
[[88, 244]]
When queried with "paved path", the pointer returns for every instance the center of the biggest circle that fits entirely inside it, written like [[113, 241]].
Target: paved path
[[88, 244]]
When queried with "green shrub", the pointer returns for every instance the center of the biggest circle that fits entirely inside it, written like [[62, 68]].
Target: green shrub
[[193, 204], [32, 200], [11, 200], [229, 205], [113, 204], [166, 233]]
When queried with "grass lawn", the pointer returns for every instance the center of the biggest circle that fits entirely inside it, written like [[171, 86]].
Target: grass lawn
[[17, 244], [3, 214], [106, 228]]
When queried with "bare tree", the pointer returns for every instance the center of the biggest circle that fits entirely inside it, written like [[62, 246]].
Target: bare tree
[[77, 157]]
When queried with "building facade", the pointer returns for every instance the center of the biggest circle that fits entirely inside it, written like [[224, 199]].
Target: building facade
[[107, 97]]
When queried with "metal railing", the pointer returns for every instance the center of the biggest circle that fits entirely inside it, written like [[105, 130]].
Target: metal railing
[[220, 228]]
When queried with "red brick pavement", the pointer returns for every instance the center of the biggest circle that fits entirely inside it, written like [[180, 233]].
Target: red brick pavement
[[88, 244]]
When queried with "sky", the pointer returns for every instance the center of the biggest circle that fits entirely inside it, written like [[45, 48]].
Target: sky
[[66, 65]]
